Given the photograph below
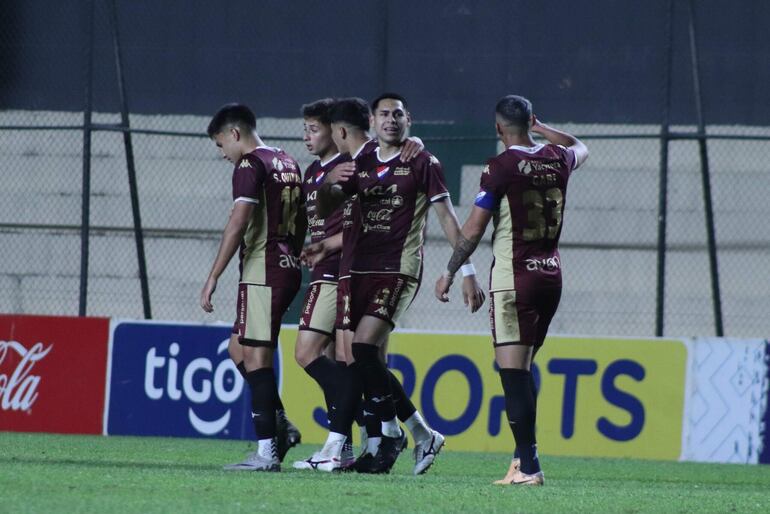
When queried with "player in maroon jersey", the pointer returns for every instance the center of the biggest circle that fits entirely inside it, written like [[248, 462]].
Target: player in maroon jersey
[[524, 190], [394, 198], [316, 254], [268, 226]]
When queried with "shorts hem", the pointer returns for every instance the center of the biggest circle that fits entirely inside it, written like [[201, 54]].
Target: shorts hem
[[317, 330], [257, 343]]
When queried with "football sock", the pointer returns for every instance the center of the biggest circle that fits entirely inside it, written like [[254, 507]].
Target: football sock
[[520, 409], [418, 428], [347, 399], [371, 421], [374, 376], [342, 368], [534, 393], [324, 371], [263, 393], [404, 406]]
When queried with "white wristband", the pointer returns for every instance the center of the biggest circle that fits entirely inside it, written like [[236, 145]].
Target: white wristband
[[468, 269]]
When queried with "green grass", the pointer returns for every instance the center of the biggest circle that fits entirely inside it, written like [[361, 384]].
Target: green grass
[[55, 473]]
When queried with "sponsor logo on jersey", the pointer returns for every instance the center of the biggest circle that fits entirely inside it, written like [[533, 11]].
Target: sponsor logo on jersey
[[486, 170], [548, 264], [244, 164], [382, 171], [401, 172], [433, 159], [363, 174], [397, 201], [525, 167]]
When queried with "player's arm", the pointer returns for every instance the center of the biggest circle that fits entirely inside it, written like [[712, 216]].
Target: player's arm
[[314, 253], [231, 240], [473, 294], [332, 192], [557, 137], [466, 244]]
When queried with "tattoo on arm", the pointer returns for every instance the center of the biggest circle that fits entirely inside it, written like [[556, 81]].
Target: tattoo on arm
[[463, 249]]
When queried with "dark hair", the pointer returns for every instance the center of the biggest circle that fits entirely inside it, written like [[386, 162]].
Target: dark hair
[[516, 110], [229, 115], [318, 110], [352, 111], [389, 96]]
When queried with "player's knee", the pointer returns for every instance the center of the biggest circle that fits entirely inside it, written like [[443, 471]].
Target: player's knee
[[257, 357]]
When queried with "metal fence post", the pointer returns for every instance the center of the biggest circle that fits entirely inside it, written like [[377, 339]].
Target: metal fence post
[[87, 127], [704, 167], [663, 175], [127, 142]]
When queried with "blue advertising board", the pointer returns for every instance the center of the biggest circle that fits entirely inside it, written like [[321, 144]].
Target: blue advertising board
[[176, 380]]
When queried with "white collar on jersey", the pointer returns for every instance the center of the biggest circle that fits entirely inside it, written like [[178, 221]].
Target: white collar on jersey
[[527, 149], [355, 154], [330, 159], [388, 160]]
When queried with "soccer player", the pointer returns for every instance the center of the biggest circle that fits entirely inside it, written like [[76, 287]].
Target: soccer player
[[523, 189], [387, 259], [268, 226], [323, 253]]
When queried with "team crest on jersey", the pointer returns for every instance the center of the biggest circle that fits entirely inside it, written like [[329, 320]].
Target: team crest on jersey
[[319, 177], [382, 171], [245, 164], [397, 201], [402, 171]]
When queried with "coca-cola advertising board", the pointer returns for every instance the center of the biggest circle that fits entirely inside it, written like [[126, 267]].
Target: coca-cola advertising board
[[53, 373]]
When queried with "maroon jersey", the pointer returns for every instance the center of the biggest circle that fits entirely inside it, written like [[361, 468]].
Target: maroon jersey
[[321, 228], [351, 219], [394, 198], [526, 189], [270, 179]]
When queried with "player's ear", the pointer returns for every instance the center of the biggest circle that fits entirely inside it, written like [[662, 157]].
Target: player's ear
[[498, 128], [532, 120], [343, 133], [235, 133], [408, 119]]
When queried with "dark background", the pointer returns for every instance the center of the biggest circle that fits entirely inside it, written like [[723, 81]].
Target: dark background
[[452, 59]]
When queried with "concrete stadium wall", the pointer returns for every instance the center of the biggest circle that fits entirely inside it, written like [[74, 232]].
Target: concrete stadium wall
[[608, 241]]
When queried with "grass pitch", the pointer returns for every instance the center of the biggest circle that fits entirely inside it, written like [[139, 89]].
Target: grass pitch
[[55, 473]]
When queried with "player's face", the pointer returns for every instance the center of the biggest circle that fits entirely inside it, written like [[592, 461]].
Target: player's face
[[391, 121], [228, 142], [318, 137]]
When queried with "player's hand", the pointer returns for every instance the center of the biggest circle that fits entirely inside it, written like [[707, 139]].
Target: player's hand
[[536, 127], [208, 291], [442, 287], [473, 295], [341, 172], [313, 253], [411, 147]]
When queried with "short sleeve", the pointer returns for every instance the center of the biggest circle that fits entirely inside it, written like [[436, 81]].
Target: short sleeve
[[569, 157], [433, 180], [491, 188], [248, 180]]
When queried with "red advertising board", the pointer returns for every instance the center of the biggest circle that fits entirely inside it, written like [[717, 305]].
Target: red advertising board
[[52, 373]]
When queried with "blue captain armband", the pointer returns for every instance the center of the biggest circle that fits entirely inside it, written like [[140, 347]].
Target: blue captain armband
[[486, 200]]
